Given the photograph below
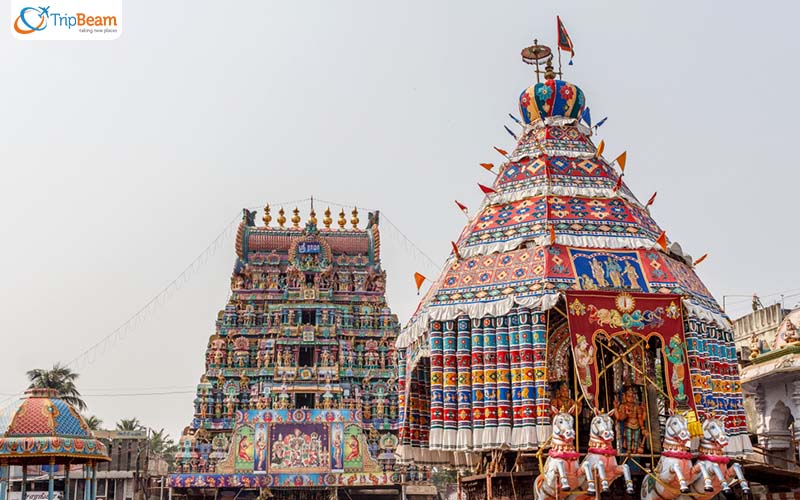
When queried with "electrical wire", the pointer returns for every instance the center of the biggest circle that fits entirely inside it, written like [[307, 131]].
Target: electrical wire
[[154, 300], [89, 355], [136, 394]]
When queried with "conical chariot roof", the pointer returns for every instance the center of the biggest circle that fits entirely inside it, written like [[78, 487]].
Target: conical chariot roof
[[558, 209]]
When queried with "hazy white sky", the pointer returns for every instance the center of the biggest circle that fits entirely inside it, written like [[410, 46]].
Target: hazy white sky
[[122, 160]]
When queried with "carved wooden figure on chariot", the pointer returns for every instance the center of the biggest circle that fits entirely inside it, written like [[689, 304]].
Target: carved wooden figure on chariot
[[562, 402], [633, 416]]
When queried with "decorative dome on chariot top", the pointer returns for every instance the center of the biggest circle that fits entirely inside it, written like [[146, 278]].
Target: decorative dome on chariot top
[[551, 98]]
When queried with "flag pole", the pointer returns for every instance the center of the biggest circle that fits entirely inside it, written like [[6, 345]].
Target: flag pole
[[560, 75]]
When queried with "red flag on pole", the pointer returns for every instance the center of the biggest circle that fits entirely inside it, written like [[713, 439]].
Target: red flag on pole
[[662, 240], [419, 279], [564, 41], [552, 234], [455, 250], [501, 151], [486, 189], [651, 200], [488, 166], [701, 259], [462, 207], [619, 183]]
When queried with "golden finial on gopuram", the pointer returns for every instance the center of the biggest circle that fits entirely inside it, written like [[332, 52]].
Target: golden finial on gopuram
[[296, 217], [312, 217], [281, 217], [342, 220], [327, 219], [267, 217], [354, 219]]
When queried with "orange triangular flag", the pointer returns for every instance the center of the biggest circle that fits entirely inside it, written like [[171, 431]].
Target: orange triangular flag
[[462, 207], [501, 151], [419, 279], [701, 259], [621, 159], [600, 148], [486, 189], [651, 200], [552, 234], [455, 250], [662, 240], [488, 166]]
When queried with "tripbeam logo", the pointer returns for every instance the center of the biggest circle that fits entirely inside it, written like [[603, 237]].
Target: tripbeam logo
[[69, 20], [31, 19]]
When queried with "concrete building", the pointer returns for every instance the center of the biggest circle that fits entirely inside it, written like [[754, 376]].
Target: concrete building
[[762, 323], [769, 346]]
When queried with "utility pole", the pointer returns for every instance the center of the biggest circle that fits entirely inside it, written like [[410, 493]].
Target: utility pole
[[147, 465]]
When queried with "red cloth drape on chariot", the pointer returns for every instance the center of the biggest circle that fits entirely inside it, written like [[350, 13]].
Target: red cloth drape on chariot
[[642, 315]]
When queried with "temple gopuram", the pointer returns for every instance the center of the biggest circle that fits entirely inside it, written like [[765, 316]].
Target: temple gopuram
[[567, 342], [299, 394]]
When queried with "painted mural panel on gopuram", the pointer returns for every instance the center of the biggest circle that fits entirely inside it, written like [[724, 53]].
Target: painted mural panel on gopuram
[[294, 448]]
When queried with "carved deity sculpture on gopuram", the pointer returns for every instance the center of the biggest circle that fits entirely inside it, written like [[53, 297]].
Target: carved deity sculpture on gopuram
[[300, 387], [566, 336]]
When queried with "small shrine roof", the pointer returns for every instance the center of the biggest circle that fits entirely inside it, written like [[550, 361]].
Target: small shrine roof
[[41, 427]]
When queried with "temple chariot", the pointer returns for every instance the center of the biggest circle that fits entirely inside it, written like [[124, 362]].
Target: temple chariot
[[568, 348]]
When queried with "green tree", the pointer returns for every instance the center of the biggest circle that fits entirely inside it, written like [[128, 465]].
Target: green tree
[[163, 446], [129, 424], [93, 422], [62, 379]]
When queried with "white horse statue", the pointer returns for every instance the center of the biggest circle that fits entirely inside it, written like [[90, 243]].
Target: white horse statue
[[674, 469], [602, 458], [561, 468], [713, 464]]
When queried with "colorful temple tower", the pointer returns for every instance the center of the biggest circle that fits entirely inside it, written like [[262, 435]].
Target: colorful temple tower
[[563, 296], [299, 389]]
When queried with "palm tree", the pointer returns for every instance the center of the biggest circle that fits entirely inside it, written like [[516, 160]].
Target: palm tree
[[129, 424], [62, 379], [163, 446], [93, 422]]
